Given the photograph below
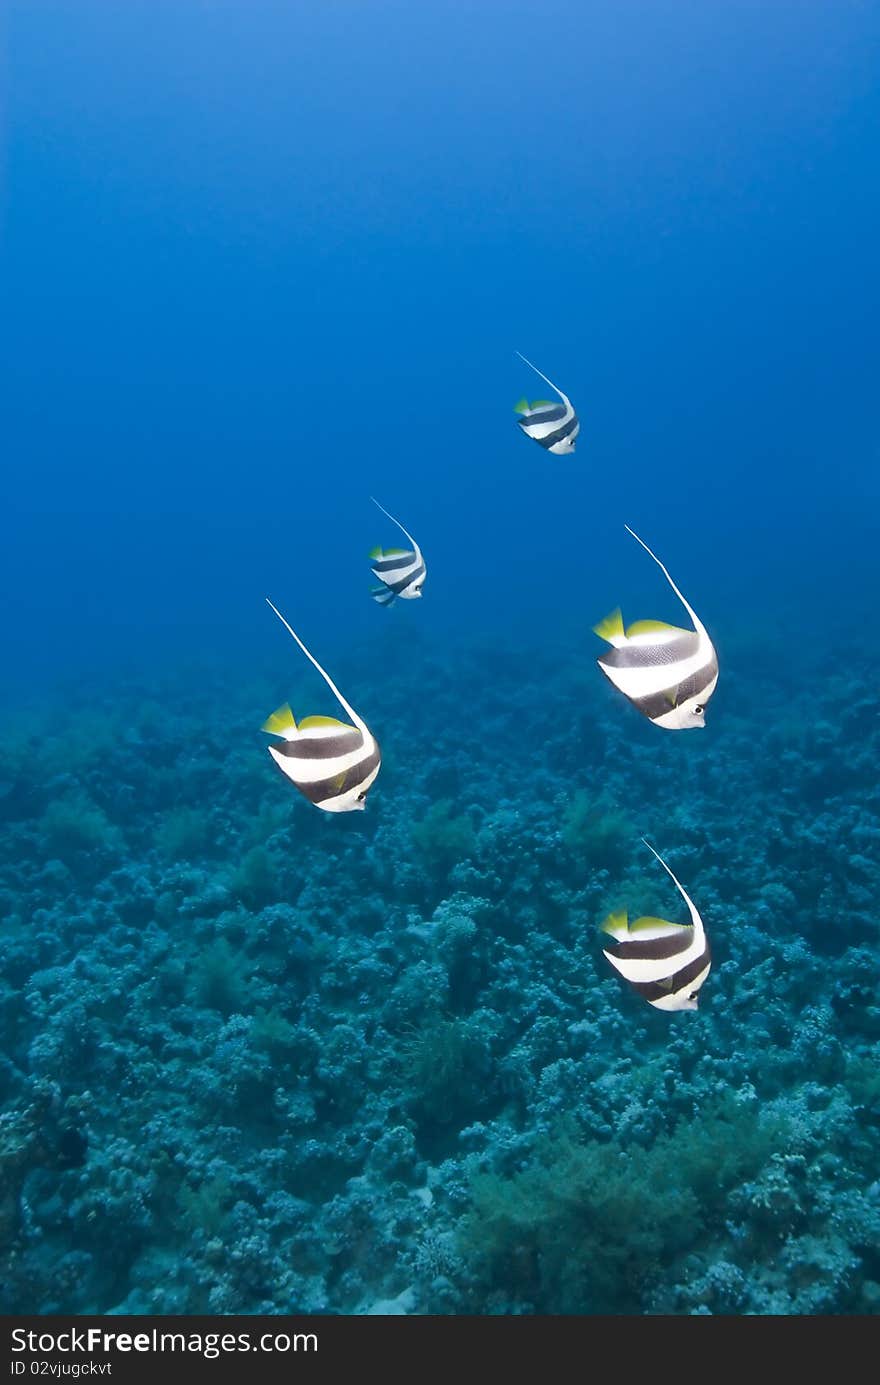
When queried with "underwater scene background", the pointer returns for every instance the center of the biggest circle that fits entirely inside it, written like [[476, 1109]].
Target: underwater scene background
[[261, 262]]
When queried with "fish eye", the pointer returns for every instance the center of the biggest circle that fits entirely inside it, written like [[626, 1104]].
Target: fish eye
[[361, 797], [693, 995], [699, 709]]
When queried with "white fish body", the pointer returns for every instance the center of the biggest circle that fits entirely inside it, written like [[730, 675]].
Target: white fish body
[[331, 763], [668, 673], [554, 426], [402, 572], [666, 963]]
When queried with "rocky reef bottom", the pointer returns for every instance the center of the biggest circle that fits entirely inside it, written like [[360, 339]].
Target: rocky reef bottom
[[259, 1059]]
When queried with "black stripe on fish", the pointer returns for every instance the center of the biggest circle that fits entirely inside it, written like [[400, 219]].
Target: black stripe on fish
[[407, 581], [656, 990], [325, 789], [399, 560], [660, 703], [564, 432], [694, 685], [684, 646], [656, 948], [321, 747]]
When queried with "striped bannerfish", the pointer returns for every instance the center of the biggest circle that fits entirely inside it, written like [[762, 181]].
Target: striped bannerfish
[[401, 571], [331, 763], [554, 426], [666, 963], [667, 672]]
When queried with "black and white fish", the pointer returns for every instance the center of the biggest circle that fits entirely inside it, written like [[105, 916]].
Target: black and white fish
[[331, 763], [665, 962], [667, 672], [554, 426], [401, 571]]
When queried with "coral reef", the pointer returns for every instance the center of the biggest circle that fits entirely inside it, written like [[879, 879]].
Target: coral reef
[[257, 1059]]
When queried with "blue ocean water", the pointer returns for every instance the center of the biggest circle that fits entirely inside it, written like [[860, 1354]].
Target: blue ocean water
[[261, 262]]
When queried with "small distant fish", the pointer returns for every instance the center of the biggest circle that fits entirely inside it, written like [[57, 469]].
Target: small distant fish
[[331, 763], [666, 963], [401, 570], [554, 426], [667, 672]]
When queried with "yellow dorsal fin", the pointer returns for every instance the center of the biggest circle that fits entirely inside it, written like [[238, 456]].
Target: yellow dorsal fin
[[658, 927], [280, 722], [611, 627], [323, 721], [654, 627]]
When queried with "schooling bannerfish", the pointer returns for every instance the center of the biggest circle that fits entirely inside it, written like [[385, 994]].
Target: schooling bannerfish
[[554, 426], [667, 672], [331, 763], [402, 571], [666, 963]]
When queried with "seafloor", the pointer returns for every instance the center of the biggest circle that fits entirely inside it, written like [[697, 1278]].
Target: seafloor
[[256, 1058]]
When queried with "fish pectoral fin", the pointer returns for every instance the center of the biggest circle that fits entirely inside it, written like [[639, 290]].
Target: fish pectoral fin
[[521, 406], [375, 552], [322, 721], [611, 628], [281, 723], [671, 695], [665, 983], [543, 403]]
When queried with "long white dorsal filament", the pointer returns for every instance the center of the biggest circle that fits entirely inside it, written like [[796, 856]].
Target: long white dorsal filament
[[698, 624], [323, 672], [562, 396], [698, 922], [395, 521]]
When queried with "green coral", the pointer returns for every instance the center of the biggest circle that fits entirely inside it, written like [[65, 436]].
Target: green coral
[[596, 831], [255, 879], [272, 1033], [587, 1226], [445, 1062], [75, 823], [863, 1082], [206, 1207], [183, 834], [219, 979], [444, 839], [17, 1140]]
